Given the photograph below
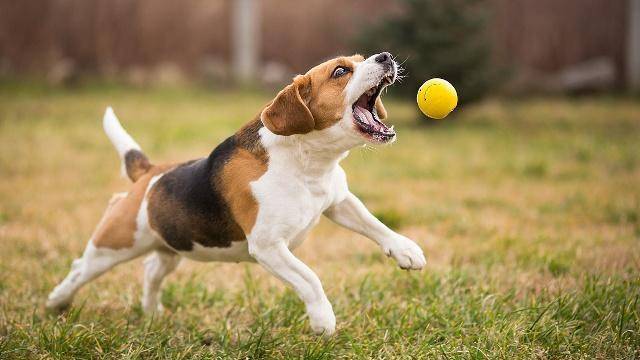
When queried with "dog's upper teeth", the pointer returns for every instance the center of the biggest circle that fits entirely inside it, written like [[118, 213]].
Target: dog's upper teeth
[[370, 91]]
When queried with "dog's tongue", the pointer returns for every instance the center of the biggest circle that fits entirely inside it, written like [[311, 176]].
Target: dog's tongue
[[366, 115]]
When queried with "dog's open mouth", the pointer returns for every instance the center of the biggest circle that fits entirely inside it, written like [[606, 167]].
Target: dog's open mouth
[[366, 117]]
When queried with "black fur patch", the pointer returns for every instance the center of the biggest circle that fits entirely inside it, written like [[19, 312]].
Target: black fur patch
[[186, 204]]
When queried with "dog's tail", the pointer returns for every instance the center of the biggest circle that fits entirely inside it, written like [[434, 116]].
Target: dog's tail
[[134, 162]]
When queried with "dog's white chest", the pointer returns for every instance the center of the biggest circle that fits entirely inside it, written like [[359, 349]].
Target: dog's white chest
[[291, 202]]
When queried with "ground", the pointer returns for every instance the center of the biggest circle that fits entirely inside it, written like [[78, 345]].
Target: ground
[[528, 212]]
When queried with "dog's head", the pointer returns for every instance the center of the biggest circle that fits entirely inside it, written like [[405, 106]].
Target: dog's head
[[340, 97]]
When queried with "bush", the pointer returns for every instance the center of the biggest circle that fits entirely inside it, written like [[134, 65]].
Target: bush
[[436, 38]]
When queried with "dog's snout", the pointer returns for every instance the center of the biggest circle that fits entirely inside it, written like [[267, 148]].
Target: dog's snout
[[383, 58]]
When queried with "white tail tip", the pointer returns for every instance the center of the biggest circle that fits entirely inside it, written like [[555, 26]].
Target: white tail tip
[[120, 139]]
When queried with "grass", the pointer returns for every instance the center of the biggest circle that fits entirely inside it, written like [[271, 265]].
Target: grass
[[528, 211]]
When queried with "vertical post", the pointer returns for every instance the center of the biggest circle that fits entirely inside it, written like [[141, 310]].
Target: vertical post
[[633, 46], [245, 39]]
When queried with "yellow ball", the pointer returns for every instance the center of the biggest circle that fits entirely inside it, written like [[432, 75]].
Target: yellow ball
[[437, 98]]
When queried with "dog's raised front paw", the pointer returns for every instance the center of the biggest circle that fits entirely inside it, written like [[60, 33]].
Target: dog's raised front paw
[[407, 253]]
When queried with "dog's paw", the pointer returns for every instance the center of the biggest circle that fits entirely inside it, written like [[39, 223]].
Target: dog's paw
[[56, 306], [153, 310], [152, 307], [322, 319], [58, 300], [407, 253]]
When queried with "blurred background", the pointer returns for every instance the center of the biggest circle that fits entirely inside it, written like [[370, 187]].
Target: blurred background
[[480, 46]]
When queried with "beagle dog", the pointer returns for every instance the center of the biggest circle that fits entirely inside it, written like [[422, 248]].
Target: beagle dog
[[258, 193]]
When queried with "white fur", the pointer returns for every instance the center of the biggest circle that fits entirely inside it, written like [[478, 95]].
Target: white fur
[[93, 263], [122, 141], [144, 233], [96, 261], [156, 267], [367, 74], [303, 181]]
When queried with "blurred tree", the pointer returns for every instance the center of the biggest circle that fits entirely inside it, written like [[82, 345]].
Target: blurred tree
[[436, 38]]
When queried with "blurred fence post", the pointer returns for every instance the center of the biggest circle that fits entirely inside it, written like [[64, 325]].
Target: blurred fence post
[[633, 46], [245, 39]]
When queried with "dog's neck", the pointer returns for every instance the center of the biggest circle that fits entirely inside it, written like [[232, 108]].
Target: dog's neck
[[315, 153]]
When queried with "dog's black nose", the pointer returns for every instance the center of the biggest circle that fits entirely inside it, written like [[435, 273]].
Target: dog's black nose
[[383, 58]]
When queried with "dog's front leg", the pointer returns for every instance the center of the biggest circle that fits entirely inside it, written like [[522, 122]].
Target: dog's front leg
[[278, 260], [352, 214]]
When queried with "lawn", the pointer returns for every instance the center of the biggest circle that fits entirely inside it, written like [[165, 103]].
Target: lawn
[[528, 212]]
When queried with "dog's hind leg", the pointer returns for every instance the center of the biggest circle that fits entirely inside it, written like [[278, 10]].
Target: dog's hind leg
[[93, 263], [156, 267], [121, 235]]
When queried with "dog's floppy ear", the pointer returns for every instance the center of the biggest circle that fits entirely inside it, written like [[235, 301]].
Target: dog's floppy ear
[[288, 114], [380, 110]]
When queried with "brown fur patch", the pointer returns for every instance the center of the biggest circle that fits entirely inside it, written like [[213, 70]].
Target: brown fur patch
[[237, 174], [326, 94], [314, 100], [118, 224], [288, 114]]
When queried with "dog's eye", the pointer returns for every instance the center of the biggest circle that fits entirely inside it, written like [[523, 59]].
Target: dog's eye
[[339, 71]]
